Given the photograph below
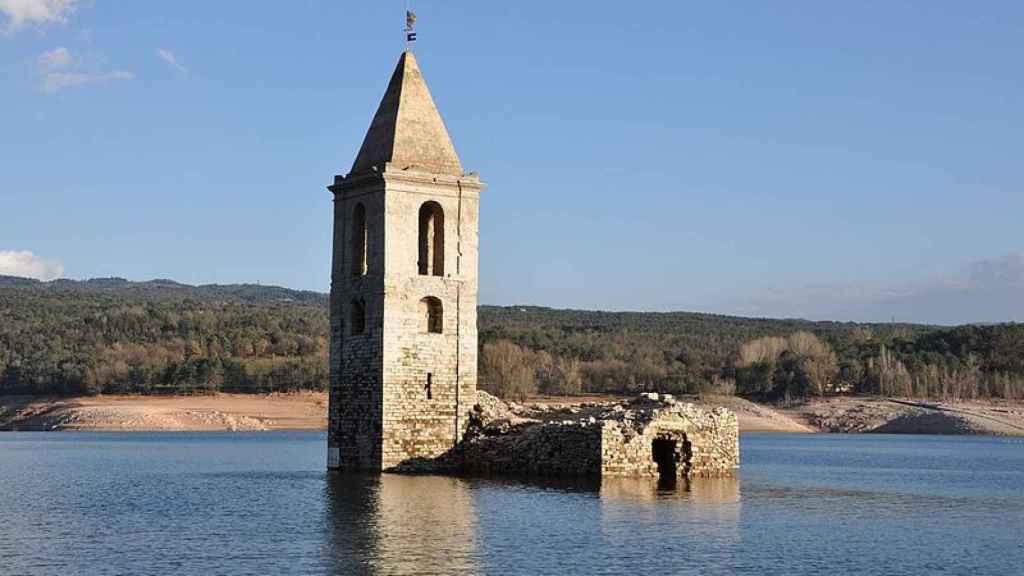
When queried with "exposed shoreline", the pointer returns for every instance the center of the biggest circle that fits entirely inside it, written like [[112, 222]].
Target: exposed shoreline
[[911, 416], [308, 411], [859, 414], [218, 412]]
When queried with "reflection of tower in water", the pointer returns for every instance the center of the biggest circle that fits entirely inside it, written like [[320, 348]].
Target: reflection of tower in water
[[394, 524]]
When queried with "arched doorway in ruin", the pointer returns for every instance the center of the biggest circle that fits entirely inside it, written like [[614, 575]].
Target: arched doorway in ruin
[[671, 452]]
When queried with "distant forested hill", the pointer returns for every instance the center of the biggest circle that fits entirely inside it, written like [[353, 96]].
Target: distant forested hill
[[115, 336], [112, 335], [165, 290], [572, 350]]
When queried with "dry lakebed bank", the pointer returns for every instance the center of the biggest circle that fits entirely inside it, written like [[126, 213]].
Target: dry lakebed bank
[[308, 411]]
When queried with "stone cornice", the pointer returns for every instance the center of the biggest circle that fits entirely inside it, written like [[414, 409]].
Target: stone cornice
[[410, 176]]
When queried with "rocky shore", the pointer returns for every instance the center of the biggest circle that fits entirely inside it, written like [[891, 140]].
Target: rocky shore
[[907, 416]]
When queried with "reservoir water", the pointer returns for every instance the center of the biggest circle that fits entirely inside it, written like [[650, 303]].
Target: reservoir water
[[261, 503]]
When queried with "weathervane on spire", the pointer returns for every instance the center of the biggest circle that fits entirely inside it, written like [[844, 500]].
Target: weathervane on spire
[[410, 27]]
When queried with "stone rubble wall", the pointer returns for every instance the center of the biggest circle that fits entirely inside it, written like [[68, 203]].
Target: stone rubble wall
[[707, 439], [535, 449], [608, 440]]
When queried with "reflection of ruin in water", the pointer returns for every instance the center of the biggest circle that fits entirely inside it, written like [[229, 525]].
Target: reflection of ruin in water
[[699, 517], [394, 524], [709, 492], [700, 491]]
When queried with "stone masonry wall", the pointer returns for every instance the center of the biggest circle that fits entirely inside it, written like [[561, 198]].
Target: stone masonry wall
[[706, 441], [380, 413], [536, 449], [415, 425], [606, 440], [355, 415]]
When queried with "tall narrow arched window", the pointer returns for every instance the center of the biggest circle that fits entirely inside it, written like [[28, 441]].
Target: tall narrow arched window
[[359, 237], [357, 317], [431, 239], [431, 316]]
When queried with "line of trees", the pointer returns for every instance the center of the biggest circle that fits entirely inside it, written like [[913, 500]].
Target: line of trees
[[511, 371], [798, 365], [88, 342], [770, 359], [114, 336]]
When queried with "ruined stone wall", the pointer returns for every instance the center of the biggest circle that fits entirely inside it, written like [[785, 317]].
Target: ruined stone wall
[[705, 442], [537, 449], [608, 440]]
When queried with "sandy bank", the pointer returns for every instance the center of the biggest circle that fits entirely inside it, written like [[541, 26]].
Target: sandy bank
[[902, 416], [308, 411], [756, 417], [220, 412]]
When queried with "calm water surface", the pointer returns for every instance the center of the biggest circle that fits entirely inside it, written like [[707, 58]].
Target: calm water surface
[[262, 504]]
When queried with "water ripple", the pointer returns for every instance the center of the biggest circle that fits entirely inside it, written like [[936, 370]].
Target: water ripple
[[262, 504]]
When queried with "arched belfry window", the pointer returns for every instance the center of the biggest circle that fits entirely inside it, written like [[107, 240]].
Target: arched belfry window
[[431, 316], [357, 317], [431, 239], [359, 237]]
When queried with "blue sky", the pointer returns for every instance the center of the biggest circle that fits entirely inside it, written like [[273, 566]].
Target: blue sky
[[826, 160]]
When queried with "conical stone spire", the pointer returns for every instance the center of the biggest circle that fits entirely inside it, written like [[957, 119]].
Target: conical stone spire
[[407, 129]]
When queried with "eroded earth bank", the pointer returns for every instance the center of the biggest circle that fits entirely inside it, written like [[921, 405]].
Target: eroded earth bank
[[307, 411]]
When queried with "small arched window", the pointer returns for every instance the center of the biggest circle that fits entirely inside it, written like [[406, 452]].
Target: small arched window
[[357, 317], [431, 316], [359, 237], [431, 239]]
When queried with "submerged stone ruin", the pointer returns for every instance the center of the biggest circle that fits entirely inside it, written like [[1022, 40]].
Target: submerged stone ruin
[[652, 435]]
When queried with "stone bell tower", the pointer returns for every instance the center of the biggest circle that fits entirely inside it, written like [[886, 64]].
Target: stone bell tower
[[403, 355]]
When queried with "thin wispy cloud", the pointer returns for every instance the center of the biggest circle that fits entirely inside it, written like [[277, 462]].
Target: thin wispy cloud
[[25, 264], [169, 57], [60, 70], [57, 81], [56, 59], [19, 13]]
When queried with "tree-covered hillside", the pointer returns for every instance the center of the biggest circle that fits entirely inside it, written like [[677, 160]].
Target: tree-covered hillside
[[111, 335], [114, 336], [569, 350]]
